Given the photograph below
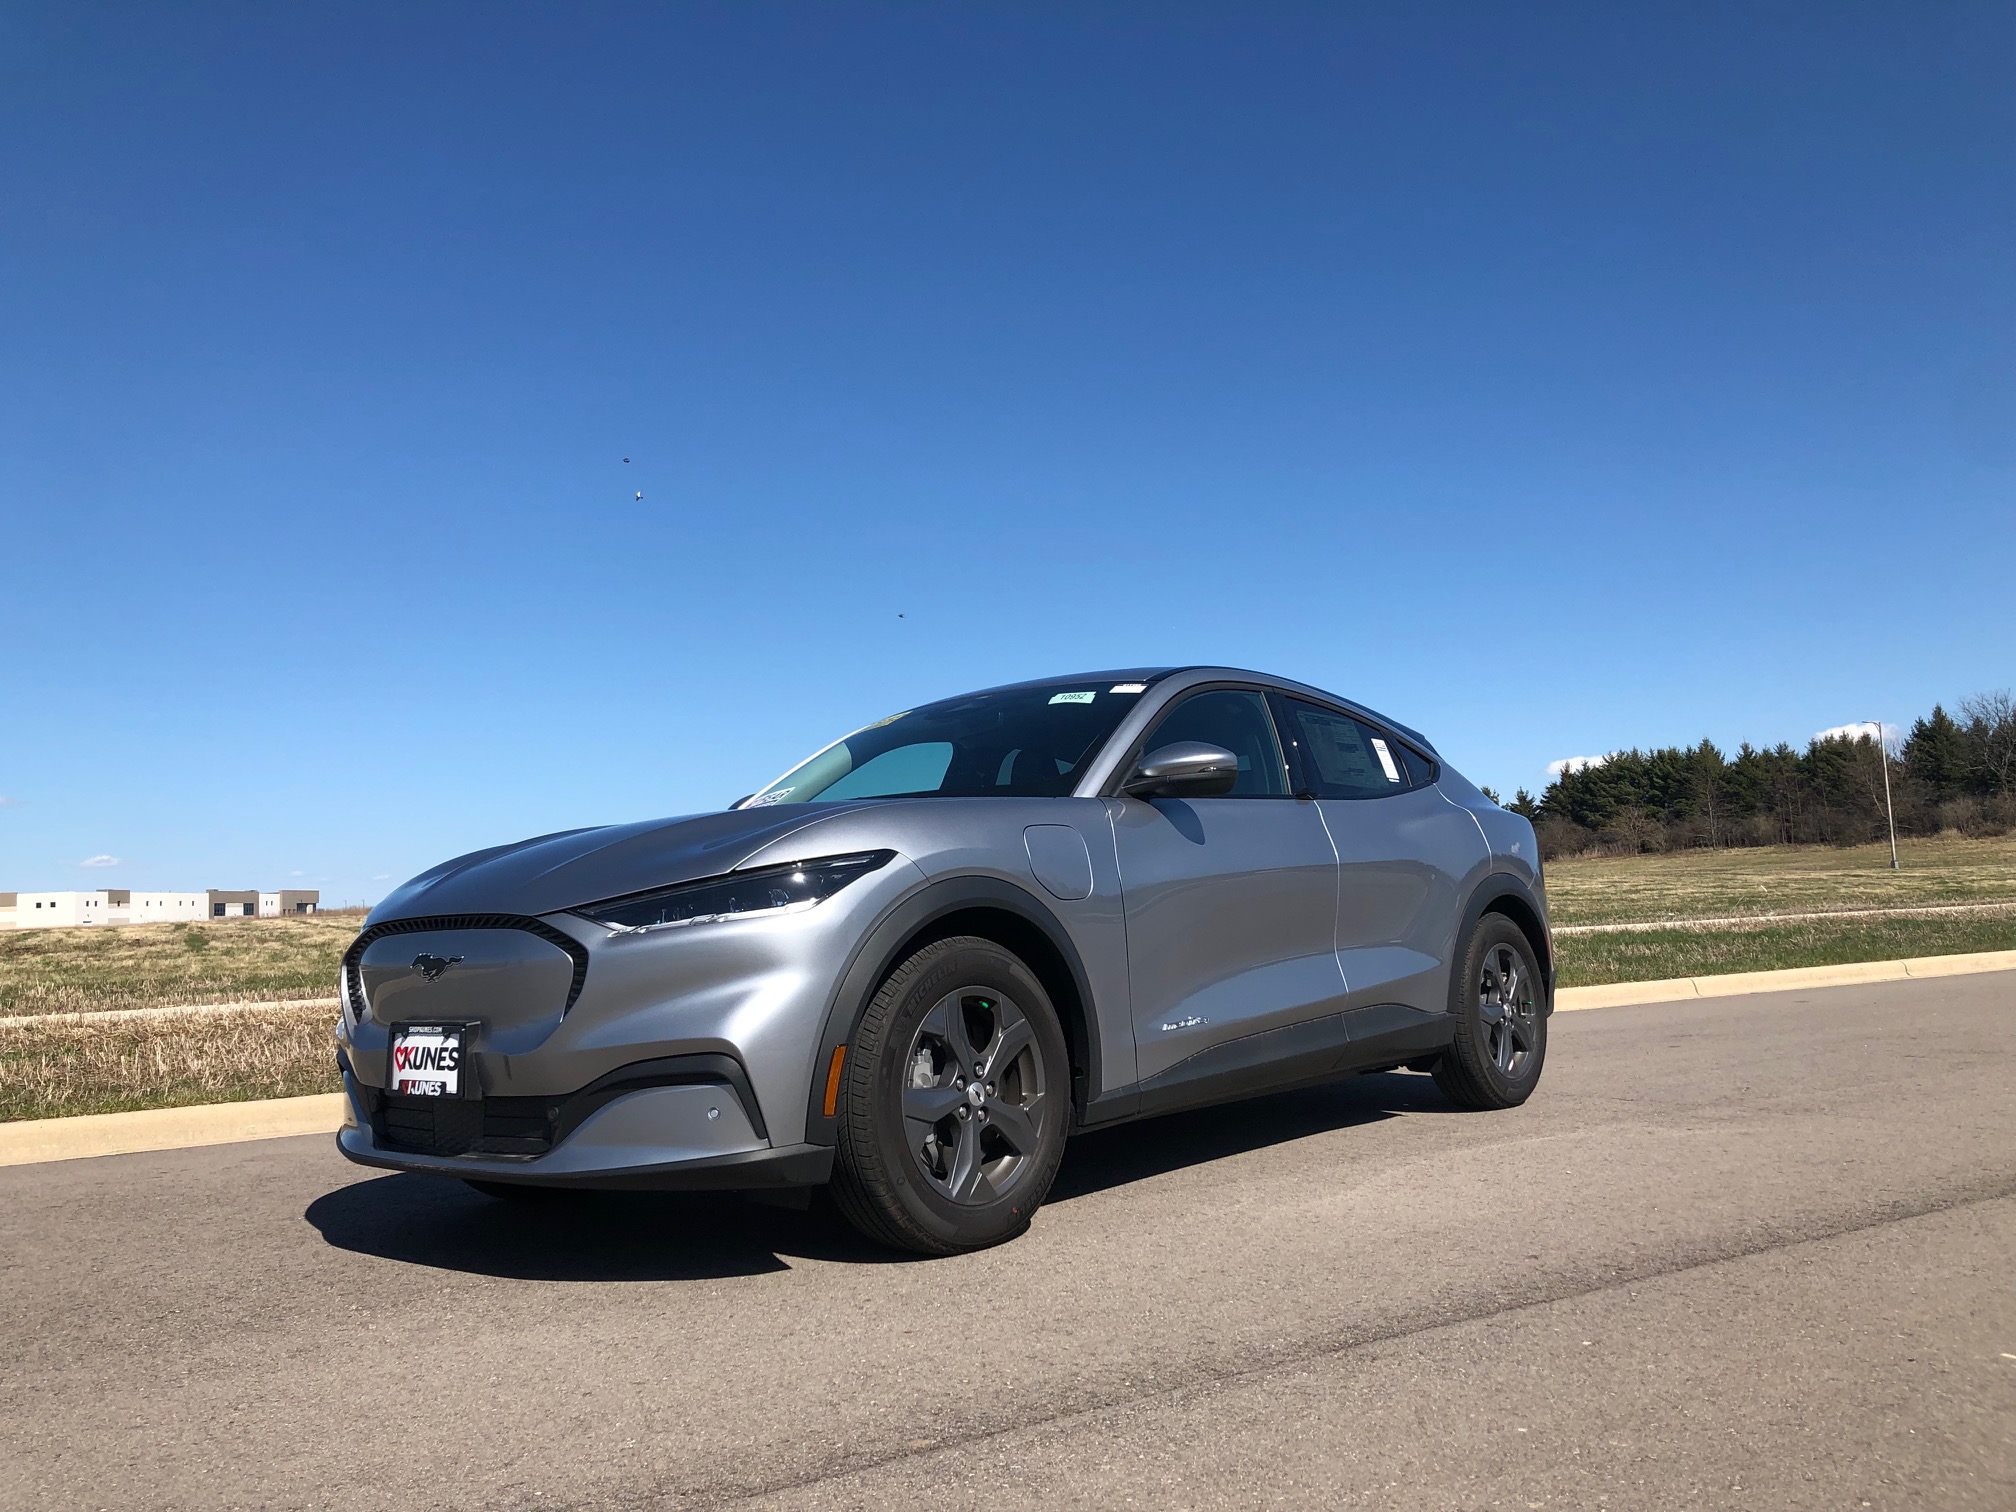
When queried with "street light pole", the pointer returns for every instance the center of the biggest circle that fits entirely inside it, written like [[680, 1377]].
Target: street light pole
[[1888, 812]]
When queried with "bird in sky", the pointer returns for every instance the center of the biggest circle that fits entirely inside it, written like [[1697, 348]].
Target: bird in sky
[[640, 498]]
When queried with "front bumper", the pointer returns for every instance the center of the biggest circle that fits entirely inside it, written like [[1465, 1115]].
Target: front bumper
[[670, 1126]]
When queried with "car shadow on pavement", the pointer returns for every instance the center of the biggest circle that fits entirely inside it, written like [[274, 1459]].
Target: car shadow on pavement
[[578, 1236], [1106, 1158], [691, 1236]]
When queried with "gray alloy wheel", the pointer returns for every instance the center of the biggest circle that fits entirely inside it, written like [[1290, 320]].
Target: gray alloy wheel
[[1498, 1000], [954, 1102], [1506, 1005], [973, 1096]]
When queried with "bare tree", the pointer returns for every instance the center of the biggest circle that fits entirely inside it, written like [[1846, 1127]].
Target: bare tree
[[1634, 830], [1991, 719]]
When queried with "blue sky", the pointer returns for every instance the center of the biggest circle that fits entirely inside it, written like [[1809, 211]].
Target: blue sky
[[1557, 378]]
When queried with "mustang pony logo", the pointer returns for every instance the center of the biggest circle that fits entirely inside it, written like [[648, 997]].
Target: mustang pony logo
[[431, 966]]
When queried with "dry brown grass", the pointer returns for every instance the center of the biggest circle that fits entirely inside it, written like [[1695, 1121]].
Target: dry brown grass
[[1780, 879], [208, 1055], [149, 965]]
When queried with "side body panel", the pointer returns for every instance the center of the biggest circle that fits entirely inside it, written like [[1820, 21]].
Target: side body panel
[[1403, 862], [1231, 921]]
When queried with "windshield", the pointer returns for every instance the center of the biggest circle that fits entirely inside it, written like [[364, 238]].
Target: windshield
[[1026, 742]]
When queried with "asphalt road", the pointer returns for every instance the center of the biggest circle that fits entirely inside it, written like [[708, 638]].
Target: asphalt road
[[1747, 1252]]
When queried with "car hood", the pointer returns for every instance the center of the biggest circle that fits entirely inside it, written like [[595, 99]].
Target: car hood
[[565, 870]]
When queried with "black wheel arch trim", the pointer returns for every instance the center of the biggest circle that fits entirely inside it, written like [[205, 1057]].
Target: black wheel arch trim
[[884, 947], [1526, 911]]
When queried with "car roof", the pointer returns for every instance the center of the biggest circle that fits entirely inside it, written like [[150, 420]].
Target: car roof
[[1271, 679], [1112, 675]]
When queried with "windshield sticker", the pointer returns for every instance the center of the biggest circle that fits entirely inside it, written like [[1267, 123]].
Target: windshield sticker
[[1128, 688], [1386, 760], [775, 795], [1073, 698], [881, 722]]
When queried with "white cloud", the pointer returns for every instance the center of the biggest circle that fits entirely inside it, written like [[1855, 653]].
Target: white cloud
[[382, 877], [297, 874], [6, 802], [100, 860], [1861, 729], [1574, 764]]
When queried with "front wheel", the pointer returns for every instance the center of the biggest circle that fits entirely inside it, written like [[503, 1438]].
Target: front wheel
[[956, 1091], [1501, 1032]]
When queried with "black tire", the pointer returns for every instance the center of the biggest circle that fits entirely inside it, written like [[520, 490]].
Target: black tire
[[916, 1182], [1495, 1060]]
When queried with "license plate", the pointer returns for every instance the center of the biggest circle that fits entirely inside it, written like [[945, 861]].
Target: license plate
[[427, 1059]]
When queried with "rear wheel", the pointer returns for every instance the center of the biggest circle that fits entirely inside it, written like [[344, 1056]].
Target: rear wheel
[[1501, 1032], [955, 1092]]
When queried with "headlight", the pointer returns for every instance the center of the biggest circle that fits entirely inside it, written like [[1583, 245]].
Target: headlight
[[768, 890]]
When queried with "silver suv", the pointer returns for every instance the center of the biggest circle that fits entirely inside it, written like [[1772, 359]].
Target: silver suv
[[915, 963]]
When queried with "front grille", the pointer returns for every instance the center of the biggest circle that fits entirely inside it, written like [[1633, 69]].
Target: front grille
[[353, 980], [467, 1126]]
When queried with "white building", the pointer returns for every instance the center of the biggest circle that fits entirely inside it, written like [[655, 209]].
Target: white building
[[119, 905], [67, 910], [157, 907]]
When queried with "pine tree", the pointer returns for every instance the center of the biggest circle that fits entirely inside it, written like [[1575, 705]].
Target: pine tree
[[1937, 755]]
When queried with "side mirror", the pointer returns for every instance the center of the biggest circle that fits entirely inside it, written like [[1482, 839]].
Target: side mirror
[[1186, 769]]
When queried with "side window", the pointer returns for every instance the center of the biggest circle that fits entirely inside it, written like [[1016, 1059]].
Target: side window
[[1342, 758], [1420, 770], [1237, 720]]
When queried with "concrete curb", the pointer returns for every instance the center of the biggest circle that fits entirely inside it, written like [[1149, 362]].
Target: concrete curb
[[48, 1139], [1742, 983], [35, 1140]]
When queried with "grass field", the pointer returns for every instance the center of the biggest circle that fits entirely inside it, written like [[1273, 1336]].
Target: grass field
[[1781, 879], [1655, 954], [150, 965], [47, 1069], [214, 1055]]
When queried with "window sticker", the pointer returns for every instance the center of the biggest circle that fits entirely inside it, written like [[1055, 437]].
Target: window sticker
[[881, 722], [775, 795], [1128, 688], [1069, 698], [1385, 759]]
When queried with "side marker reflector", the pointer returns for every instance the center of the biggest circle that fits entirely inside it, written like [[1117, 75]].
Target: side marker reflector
[[833, 1079]]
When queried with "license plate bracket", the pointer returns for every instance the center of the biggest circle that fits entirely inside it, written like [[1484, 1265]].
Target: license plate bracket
[[431, 1059]]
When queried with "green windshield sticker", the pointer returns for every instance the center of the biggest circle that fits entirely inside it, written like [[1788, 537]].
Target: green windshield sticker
[[1073, 698]]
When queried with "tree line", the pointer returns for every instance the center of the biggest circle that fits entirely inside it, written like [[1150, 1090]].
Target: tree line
[[1949, 774]]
